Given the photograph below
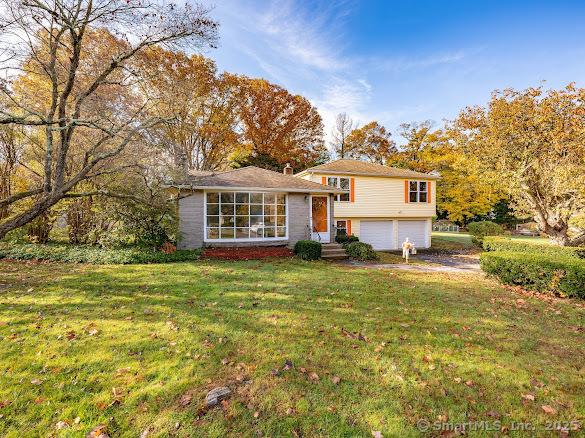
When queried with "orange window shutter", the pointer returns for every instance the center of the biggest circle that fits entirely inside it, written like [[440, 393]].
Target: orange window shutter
[[429, 192], [349, 228], [352, 190], [323, 180], [406, 191]]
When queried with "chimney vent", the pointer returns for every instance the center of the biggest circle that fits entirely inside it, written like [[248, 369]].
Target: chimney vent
[[288, 170]]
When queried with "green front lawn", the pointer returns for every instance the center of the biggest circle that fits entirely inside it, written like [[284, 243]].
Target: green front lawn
[[137, 347]]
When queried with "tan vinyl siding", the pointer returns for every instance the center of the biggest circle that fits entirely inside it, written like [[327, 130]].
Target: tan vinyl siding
[[380, 197]]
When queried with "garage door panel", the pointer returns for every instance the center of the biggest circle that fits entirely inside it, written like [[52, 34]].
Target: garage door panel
[[379, 234], [415, 231]]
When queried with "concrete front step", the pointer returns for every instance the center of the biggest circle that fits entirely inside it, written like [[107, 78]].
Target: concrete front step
[[343, 256]]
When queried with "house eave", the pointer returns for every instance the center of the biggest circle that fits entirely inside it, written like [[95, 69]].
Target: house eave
[[252, 189], [337, 172]]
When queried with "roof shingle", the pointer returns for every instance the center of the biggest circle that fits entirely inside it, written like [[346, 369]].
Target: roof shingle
[[356, 167], [252, 177]]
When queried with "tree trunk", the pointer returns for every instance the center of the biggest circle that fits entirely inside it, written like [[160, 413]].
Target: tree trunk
[[32, 213]]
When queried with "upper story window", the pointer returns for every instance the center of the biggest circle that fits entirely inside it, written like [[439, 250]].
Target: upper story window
[[245, 215], [341, 183], [417, 191]]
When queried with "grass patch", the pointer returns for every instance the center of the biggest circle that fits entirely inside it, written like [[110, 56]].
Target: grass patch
[[137, 347]]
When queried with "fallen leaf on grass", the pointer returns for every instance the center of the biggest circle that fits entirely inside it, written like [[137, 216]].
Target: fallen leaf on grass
[[61, 425], [427, 358], [469, 383], [302, 370], [314, 376], [98, 432], [528, 397], [548, 409], [36, 381], [377, 434], [185, 399], [335, 380], [4, 403]]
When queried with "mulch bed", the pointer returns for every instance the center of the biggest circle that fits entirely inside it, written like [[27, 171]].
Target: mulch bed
[[246, 253]]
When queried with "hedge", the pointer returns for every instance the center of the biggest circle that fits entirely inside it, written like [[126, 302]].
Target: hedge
[[308, 249], [479, 230], [361, 251], [538, 272], [494, 243], [93, 254]]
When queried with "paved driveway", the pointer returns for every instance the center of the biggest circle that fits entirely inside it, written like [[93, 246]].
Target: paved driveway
[[436, 263]]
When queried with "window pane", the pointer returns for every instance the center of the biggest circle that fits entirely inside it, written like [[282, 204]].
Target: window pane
[[281, 232], [269, 220], [423, 186], [227, 233], [280, 199], [242, 221], [213, 221], [243, 209], [281, 221], [255, 232], [227, 209], [413, 186], [413, 197], [256, 198], [269, 232], [256, 220], [269, 210], [242, 233], [341, 225], [213, 233], [281, 209], [212, 198], [227, 197], [255, 209], [212, 208], [242, 198], [344, 183], [344, 197], [226, 221], [269, 198], [422, 197], [332, 181]]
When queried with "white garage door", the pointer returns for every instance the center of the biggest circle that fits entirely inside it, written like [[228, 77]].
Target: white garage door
[[414, 230], [379, 234]]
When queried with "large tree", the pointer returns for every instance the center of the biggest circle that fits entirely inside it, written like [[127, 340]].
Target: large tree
[[371, 142], [278, 127], [533, 143], [203, 132], [93, 108]]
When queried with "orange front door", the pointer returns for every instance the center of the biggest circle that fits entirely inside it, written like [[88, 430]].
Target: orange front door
[[319, 214]]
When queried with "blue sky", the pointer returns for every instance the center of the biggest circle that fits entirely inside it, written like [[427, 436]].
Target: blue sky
[[402, 61]]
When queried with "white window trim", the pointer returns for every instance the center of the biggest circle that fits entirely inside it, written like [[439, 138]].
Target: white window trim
[[418, 191], [338, 186], [249, 239]]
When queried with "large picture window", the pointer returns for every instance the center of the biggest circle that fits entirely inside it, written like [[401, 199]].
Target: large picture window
[[245, 215], [417, 191], [340, 183]]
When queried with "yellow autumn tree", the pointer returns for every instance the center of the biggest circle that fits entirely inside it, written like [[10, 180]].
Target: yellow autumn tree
[[533, 143]]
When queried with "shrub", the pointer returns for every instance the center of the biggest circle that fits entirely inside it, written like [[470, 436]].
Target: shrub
[[344, 239], [361, 251], [494, 243], [481, 229], [308, 249], [93, 254], [539, 272]]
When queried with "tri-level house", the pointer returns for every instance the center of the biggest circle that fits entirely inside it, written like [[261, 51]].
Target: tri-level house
[[381, 205], [252, 206]]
